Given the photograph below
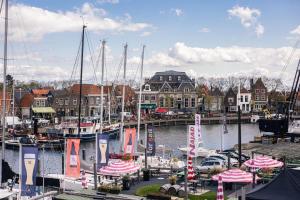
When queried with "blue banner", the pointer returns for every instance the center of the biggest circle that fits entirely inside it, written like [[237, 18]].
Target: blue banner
[[29, 161], [103, 150], [150, 141]]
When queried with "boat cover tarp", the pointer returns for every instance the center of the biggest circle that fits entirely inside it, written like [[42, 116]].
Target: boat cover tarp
[[285, 186], [43, 110]]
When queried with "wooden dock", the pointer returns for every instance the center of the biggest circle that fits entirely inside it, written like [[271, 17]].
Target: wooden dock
[[189, 121]]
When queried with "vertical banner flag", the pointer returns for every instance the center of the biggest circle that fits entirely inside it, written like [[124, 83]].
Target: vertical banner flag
[[29, 170], [198, 127], [150, 141], [192, 141], [103, 150], [129, 141], [72, 158]]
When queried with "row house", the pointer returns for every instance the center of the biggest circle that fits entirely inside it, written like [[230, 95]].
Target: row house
[[213, 102], [169, 89], [259, 95], [8, 103], [230, 101], [244, 100]]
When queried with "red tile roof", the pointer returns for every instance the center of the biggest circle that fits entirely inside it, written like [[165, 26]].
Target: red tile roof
[[40, 92], [26, 100], [87, 89]]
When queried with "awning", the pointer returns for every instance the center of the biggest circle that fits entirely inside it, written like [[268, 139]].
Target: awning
[[148, 106], [161, 110], [43, 110]]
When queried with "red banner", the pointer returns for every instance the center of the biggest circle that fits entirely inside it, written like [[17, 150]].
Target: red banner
[[129, 141], [72, 158]]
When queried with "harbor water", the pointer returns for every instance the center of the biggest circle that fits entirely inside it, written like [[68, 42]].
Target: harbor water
[[172, 137]]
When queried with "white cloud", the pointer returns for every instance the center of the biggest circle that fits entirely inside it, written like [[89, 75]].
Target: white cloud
[[249, 18], [204, 30], [178, 12], [146, 33], [108, 1], [223, 60], [33, 23], [259, 30], [296, 31]]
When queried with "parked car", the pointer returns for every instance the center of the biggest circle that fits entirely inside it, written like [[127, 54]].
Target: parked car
[[233, 161], [213, 159], [209, 165], [42, 121], [127, 115]]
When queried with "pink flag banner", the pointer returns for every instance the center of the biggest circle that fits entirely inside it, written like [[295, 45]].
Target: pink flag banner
[[192, 141], [198, 126]]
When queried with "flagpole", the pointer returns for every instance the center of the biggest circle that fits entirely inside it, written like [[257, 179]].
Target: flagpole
[[65, 156]]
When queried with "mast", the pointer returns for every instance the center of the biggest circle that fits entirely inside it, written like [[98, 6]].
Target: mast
[[123, 97], [13, 108], [80, 84], [109, 119], [101, 101], [4, 88], [140, 96]]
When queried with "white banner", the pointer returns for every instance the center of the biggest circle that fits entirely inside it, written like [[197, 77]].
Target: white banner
[[198, 127], [192, 141]]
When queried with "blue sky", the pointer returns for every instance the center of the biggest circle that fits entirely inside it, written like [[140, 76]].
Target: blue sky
[[207, 37]]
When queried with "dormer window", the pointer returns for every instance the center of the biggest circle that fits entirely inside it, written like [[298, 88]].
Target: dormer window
[[186, 89], [147, 87], [170, 78], [179, 78], [161, 78]]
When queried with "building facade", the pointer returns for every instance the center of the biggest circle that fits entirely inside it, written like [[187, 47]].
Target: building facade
[[244, 100], [259, 95], [230, 101], [170, 89]]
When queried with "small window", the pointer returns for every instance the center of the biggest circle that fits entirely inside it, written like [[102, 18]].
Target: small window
[[171, 102], [37, 103], [256, 97], [246, 98], [97, 100], [161, 78], [61, 102], [257, 91], [166, 90], [263, 97], [242, 98], [43, 104], [186, 89], [170, 78], [186, 102], [262, 90], [66, 101], [146, 97], [74, 102], [230, 100], [179, 78], [153, 98], [193, 103], [147, 87], [161, 102]]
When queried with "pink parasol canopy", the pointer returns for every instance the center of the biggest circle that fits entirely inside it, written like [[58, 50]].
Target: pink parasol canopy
[[263, 162], [119, 168], [235, 176]]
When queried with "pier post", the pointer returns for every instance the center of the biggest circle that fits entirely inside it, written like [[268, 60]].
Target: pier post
[[185, 183], [95, 176]]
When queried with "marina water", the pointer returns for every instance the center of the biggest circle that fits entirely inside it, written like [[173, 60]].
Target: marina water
[[172, 137]]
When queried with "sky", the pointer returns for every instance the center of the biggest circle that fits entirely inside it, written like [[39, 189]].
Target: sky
[[210, 38]]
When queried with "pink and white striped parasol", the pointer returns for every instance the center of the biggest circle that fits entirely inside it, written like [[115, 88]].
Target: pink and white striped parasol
[[119, 168], [235, 176], [220, 192], [191, 172], [263, 162]]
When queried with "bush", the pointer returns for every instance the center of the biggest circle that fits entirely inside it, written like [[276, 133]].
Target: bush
[[145, 190], [113, 189], [172, 180]]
